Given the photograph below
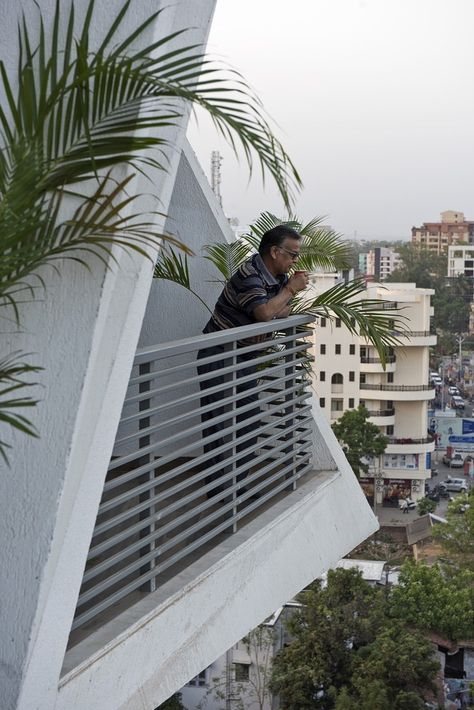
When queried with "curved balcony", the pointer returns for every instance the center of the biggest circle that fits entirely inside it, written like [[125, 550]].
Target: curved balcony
[[404, 393], [416, 337], [407, 445], [374, 364], [382, 417]]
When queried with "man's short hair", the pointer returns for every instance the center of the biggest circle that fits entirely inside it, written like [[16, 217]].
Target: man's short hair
[[275, 238]]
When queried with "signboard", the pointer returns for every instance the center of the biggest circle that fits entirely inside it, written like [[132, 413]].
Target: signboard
[[456, 432]]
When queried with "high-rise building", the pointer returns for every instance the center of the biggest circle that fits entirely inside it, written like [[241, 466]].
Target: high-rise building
[[381, 262], [438, 236], [348, 372]]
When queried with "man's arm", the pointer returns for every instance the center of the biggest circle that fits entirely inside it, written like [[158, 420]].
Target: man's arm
[[278, 305]]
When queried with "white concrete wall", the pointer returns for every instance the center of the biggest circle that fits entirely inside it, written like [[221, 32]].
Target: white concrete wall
[[84, 332]]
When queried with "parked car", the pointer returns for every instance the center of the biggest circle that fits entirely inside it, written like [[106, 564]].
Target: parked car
[[453, 390], [458, 402], [454, 461], [454, 484]]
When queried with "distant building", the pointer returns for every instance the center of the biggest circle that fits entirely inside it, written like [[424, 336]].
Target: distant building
[[438, 236], [348, 372], [380, 263]]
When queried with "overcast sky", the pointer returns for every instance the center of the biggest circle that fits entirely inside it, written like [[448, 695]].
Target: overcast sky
[[372, 99]]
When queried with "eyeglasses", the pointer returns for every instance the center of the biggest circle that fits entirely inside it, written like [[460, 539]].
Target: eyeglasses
[[294, 254]]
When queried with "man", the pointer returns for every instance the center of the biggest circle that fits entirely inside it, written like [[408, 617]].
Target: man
[[259, 291]]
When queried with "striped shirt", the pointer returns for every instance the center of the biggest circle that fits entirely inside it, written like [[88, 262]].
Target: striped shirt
[[250, 286]]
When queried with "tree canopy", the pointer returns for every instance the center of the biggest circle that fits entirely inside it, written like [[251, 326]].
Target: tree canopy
[[348, 653], [359, 438]]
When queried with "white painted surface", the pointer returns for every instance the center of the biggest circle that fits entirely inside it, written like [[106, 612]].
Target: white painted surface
[[198, 615], [84, 332]]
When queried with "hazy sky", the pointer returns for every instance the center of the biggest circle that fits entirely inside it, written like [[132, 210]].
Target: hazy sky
[[372, 99]]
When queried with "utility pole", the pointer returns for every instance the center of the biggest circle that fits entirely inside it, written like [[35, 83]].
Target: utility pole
[[216, 160], [460, 340]]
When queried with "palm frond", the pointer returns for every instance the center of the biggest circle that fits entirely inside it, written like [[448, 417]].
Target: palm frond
[[364, 317], [228, 257], [321, 247], [174, 267], [12, 370]]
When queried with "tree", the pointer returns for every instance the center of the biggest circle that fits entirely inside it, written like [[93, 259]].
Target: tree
[[70, 115], [348, 653], [426, 505], [423, 267], [431, 600], [173, 703], [457, 535], [254, 692], [359, 438]]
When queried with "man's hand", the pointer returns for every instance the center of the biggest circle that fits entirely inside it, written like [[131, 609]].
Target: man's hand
[[299, 281]]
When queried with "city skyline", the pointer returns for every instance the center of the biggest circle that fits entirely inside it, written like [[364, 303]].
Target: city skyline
[[371, 98]]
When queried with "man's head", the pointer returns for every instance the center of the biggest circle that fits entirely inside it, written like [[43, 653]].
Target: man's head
[[279, 248]]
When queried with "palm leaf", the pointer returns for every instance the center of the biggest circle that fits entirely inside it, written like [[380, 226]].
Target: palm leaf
[[227, 257], [364, 317], [321, 247], [12, 370], [174, 267]]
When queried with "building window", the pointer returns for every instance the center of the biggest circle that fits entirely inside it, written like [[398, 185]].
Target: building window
[[322, 322], [352, 349], [322, 402], [242, 672], [337, 349], [389, 376], [362, 378], [322, 349], [199, 681], [338, 322], [351, 402], [337, 379], [390, 430], [336, 405], [322, 376], [352, 376]]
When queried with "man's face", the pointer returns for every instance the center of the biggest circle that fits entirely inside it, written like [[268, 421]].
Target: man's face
[[286, 255]]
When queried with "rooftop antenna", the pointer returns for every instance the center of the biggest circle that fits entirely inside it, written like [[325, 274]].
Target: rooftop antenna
[[216, 161]]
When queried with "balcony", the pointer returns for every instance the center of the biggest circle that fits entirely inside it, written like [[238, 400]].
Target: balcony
[[374, 364], [416, 337], [382, 417], [405, 393], [230, 495], [406, 445]]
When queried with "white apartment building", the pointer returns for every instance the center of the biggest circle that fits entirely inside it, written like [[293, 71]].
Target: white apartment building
[[381, 262], [120, 579], [461, 260], [348, 372]]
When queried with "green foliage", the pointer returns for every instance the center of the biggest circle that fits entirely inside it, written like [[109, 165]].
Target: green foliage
[[431, 600], [254, 692], [173, 703], [457, 535], [359, 437], [71, 115], [452, 295], [426, 505], [12, 371], [347, 653]]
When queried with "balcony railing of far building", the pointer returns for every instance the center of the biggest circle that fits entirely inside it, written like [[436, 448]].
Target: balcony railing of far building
[[381, 412], [160, 508], [377, 360], [408, 440], [395, 388]]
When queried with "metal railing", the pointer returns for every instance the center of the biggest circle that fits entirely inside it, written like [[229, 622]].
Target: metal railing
[[396, 388], [424, 440], [381, 413], [377, 360], [213, 428], [413, 333]]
